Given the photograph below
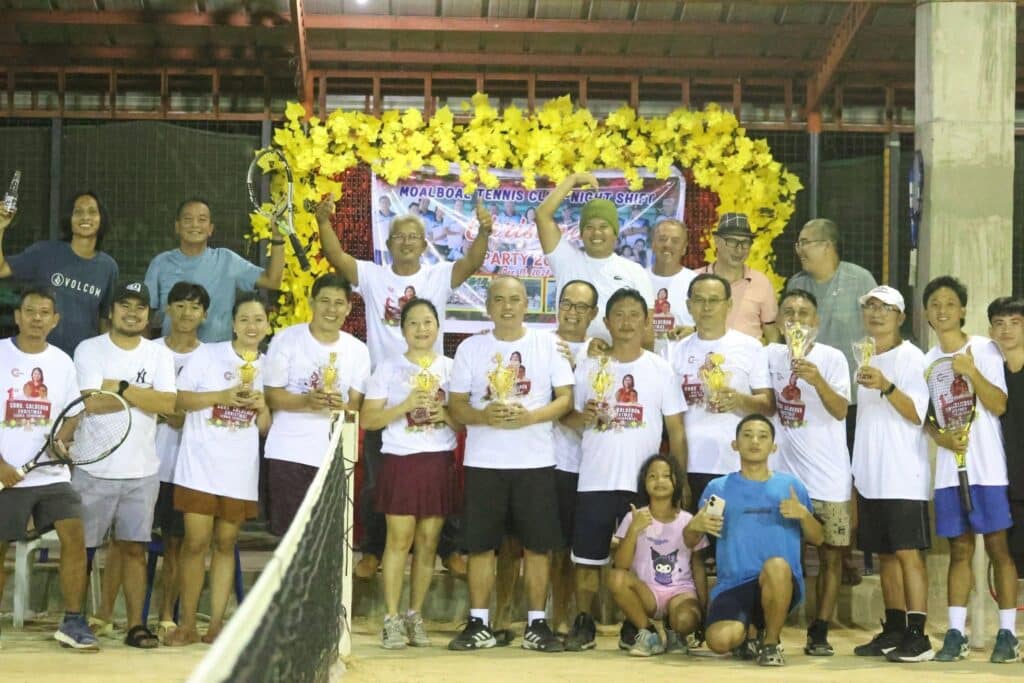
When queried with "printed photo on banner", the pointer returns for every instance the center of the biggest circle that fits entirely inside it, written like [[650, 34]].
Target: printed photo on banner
[[450, 226]]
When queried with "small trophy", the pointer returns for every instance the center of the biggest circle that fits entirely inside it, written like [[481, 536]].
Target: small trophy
[[247, 372], [863, 352], [501, 380], [799, 338], [715, 378], [329, 374], [426, 381], [601, 381]]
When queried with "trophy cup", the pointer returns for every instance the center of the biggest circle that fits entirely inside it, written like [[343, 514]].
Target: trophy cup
[[247, 373], [601, 381], [863, 352], [715, 379], [799, 338], [501, 380], [428, 382], [329, 374]]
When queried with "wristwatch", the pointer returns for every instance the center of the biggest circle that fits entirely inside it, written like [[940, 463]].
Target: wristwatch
[[889, 390], [122, 386]]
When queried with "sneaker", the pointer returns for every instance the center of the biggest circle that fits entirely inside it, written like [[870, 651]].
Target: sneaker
[[881, 644], [674, 645], [539, 636], [393, 635], [771, 655], [748, 651], [817, 642], [1007, 648], [627, 635], [74, 632], [915, 647], [415, 631], [954, 647], [647, 643], [476, 636], [583, 635]]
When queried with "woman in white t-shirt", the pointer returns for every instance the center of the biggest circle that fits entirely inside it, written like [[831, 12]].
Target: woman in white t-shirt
[[216, 478], [407, 397]]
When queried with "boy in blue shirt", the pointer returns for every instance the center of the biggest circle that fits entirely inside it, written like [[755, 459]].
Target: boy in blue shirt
[[767, 518]]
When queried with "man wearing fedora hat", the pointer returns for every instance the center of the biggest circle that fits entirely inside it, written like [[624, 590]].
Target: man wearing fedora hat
[[754, 307]]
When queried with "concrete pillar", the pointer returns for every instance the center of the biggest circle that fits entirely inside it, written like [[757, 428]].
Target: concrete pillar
[[964, 119]]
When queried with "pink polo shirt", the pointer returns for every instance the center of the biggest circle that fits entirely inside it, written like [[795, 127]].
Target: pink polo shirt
[[753, 302]]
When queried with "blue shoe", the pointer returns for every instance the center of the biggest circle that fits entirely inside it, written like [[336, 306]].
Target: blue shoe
[[1007, 648], [954, 647], [74, 632]]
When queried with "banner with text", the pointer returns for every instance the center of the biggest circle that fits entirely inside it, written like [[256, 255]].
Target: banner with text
[[514, 248]]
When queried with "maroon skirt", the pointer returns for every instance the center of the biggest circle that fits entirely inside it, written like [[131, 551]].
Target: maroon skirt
[[420, 484]]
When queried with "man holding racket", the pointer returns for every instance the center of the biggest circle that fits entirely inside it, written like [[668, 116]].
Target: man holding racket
[[43, 494], [120, 492], [977, 367]]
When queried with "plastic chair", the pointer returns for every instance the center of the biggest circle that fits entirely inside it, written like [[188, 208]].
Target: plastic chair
[[156, 550], [23, 571]]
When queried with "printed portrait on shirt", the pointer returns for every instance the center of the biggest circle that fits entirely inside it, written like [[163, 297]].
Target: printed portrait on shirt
[[35, 387], [394, 302], [27, 405]]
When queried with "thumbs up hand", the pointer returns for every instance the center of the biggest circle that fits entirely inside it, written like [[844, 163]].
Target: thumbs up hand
[[641, 519], [963, 364], [792, 508]]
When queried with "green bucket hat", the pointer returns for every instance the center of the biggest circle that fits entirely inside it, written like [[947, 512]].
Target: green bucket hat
[[600, 208]]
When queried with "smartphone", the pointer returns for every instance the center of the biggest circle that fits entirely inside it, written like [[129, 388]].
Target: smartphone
[[715, 506]]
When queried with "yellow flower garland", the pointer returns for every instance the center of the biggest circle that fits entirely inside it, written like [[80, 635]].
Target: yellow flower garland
[[555, 141]]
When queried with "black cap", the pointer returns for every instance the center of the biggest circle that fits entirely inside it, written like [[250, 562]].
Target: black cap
[[734, 224], [132, 290]]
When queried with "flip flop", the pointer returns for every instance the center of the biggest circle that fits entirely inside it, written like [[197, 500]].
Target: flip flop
[[141, 637], [503, 637]]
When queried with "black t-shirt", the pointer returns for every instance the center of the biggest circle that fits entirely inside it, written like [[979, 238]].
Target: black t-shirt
[[1013, 431]]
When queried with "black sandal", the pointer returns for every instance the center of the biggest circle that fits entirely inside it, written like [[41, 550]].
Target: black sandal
[[503, 637], [141, 637]]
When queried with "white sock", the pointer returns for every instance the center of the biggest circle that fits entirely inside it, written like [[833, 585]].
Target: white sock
[[1008, 620], [533, 615], [410, 614], [958, 618], [482, 614]]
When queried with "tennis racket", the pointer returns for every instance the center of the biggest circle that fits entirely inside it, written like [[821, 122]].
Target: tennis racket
[[94, 435], [282, 215], [952, 409]]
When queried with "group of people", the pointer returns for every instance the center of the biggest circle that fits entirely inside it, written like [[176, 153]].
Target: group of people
[[665, 423]]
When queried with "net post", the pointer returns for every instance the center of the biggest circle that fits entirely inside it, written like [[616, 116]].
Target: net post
[[350, 452]]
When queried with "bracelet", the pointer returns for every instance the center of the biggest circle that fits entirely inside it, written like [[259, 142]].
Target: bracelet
[[277, 243], [887, 392]]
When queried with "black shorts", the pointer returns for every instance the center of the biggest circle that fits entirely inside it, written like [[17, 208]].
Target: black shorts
[[891, 524], [525, 497], [743, 603], [598, 514], [45, 505], [169, 521], [565, 486]]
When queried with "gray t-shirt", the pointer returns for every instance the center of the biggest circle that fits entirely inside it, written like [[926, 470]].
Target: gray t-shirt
[[83, 287], [841, 322]]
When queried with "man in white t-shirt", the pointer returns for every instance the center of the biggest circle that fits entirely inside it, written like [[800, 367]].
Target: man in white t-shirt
[[812, 392], [597, 263], [892, 476], [312, 370], [385, 288], [977, 360], [120, 491], [670, 280], [508, 386], [724, 375], [622, 402], [41, 384]]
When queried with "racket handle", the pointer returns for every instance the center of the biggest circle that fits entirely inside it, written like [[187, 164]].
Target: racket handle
[[965, 492], [300, 253]]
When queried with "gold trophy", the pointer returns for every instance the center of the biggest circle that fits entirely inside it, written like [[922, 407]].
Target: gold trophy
[[714, 377], [799, 338], [863, 352], [247, 372], [601, 381], [329, 374], [501, 380], [428, 382]]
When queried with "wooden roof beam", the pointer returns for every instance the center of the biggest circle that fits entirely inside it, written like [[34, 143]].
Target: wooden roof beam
[[236, 18], [305, 78], [825, 72]]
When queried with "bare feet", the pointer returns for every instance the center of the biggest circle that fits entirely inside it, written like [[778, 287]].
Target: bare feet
[[181, 636], [366, 568], [212, 633]]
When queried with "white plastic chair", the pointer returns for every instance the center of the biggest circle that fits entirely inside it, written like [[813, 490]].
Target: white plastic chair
[[23, 561]]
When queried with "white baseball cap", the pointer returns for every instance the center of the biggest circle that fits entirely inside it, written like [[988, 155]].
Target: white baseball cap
[[885, 294]]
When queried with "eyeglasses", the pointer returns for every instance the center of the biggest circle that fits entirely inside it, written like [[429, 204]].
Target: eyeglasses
[[406, 236], [803, 244], [741, 244], [701, 302], [878, 308], [570, 306]]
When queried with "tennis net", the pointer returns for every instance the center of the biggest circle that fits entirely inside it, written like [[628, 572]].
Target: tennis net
[[293, 625]]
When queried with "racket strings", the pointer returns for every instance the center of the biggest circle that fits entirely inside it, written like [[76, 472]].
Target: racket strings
[[97, 435]]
